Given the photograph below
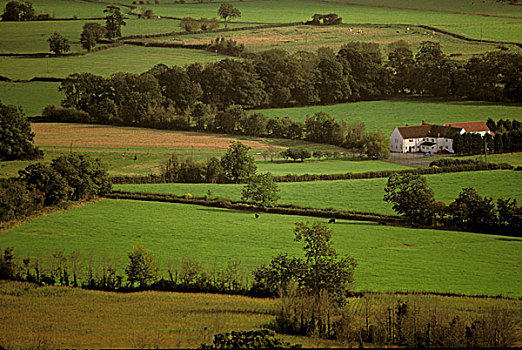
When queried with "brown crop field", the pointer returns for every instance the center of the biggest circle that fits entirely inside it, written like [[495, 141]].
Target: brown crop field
[[100, 136], [63, 317]]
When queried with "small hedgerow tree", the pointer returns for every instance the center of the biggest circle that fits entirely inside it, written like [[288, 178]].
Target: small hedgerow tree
[[142, 267], [261, 189]]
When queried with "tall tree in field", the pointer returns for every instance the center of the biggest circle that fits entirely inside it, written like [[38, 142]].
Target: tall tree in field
[[91, 35], [16, 137], [237, 164], [261, 189], [410, 196], [113, 22], [227, 12], [58, 43], [18, 11], [142, 267]]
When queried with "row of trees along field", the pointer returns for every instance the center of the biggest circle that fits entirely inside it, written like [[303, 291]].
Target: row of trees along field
[[411, 197], [507, 138]]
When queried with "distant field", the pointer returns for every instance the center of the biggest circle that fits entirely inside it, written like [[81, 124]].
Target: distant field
[[152, 147], [325, 167], [302, 10], [361, 195], [33, 96], [310, 38], [514, 159], [385, 115], [509, 31], [389, 258], [68, 8], [130, 59]]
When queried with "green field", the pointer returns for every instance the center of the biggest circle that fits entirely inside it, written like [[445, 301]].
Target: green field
[[385, 115], [509, 31], [360, 195], [131, 59], [310, 38], [32, 96], [67, 8], [389, 258], [325, 167]]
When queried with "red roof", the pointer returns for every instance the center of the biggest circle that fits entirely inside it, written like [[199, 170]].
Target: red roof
[[428, 130], [477, 126]]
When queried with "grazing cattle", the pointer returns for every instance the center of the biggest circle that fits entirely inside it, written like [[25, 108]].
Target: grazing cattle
[[256, 215], [331, 221]]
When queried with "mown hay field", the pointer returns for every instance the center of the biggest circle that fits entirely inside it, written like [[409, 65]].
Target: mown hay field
[[59, 317], [310, 38], [385, 115], [360, 195], [389, 258], [151, 147]]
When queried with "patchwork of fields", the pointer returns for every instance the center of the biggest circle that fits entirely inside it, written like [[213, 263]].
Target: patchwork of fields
[[390, 258]]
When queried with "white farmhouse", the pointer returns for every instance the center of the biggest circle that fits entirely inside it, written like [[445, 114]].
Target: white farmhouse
[[426, 138], [430, 138]]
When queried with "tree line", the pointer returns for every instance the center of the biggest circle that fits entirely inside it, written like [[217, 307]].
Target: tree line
[[72, 177], [507, 138], [411, 197]]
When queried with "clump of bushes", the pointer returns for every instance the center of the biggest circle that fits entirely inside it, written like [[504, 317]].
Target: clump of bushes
[[71, 177], [256, 339]]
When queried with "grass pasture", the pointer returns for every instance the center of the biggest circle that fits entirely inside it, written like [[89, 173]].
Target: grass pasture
[[67, 8], [280, 168], [310, 38], [361, 195], [389, 258], [32, 96], [385, 115], [131, 59]]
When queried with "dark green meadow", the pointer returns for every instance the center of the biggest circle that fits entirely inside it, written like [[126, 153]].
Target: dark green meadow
[[389, 258]]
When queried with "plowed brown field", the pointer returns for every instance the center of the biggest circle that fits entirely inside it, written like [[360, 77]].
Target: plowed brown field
[[101, 136]]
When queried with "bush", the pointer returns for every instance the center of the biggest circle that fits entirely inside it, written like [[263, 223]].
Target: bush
[[257, 339]]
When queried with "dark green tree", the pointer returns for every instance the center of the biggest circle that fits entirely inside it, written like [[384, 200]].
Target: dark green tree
[[18, 11], [16, 137], [113, 22], [237, 164], [45, 179], [142, 267], [355, 136], [58, 44], [323, 128], [410, 196], [254, 124], [323, 270], [377, 145], [135, 95], [229, 120], [227, 12], [261, 189], [91, 34], [90, 93], [85, 175], [214, 171], [469, 210], [16, 201]]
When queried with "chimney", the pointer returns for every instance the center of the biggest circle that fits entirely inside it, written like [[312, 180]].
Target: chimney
[[423, 122]]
